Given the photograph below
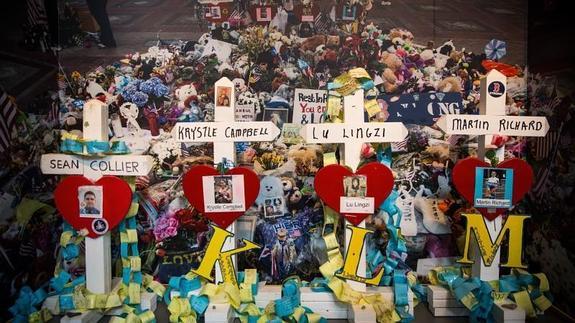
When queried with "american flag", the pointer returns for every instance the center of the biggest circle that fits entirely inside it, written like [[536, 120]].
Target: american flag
[[322, 23], [8, 112], [37, 20], [542, 146], [185, 152], [543, 180], [400, 146]]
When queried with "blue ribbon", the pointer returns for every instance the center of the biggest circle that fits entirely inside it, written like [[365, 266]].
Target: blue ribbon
[[94, 147], [182, 285], [71, 146], [27, 303], [97, 147]]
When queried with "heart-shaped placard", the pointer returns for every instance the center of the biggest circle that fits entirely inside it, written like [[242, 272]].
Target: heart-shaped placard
[[193, 184], [115, 197], [330, 187], [464, 181]]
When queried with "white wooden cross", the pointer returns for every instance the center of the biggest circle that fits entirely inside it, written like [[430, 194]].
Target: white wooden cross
[[353, 133], [95, 128], [224, 133], [491, 121]]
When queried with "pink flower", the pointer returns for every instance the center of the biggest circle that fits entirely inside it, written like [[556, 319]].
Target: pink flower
[[249, 154], [166, 226], [367, 150]]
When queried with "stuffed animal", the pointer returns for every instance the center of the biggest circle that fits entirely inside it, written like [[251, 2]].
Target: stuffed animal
[[271, 188], [450, 84], [308, 158], [184, 92], [311, 43], [288, 184], [402, 34]]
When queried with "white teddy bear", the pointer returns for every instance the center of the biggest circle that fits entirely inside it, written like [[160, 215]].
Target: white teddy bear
[[184, 92]]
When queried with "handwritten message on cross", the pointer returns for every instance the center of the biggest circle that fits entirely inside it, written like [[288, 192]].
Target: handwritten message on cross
[[224, 133], [95, 128], [353, 133], [492, 121]]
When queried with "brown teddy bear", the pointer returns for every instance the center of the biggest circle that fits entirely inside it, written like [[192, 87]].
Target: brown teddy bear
[[308, 158], [450, 84], [392, 64]]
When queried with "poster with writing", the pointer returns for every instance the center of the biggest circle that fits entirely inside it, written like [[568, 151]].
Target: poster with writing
[[422, 108], [309, 106], [245, 112]]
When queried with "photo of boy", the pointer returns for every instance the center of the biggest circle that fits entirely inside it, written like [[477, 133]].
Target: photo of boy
[[493, 187], [493, 184], [355, 186], [223, 190]]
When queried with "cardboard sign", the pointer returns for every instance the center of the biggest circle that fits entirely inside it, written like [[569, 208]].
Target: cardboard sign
[[490, 125], [222, 49], [309, 106], [245, 112], [422, 108], [222, 132]]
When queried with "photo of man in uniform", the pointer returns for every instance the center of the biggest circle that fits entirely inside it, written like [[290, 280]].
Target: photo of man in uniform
[[89, 205]]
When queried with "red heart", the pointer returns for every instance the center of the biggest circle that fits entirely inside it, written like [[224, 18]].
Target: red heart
[[116, 201], [194, 190], [464, 181], [329, 186]]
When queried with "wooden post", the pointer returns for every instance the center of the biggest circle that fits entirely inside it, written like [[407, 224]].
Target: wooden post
[[99, 261], [222, 134], [98, 251], [340, 133], [492, 120]]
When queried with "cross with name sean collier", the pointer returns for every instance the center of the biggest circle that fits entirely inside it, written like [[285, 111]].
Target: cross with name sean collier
[[492, 121], [353, 132], [95, 127], [224, 133]]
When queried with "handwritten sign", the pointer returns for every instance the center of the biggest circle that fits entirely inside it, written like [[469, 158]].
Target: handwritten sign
[[224, 132], [59, 164], [366, 132], [422, 108], [245, 112], [494, 124], [309, 106]]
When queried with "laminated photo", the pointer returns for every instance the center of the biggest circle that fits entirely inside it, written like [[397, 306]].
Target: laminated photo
[[493, 187], [224, 193], [90, 200]]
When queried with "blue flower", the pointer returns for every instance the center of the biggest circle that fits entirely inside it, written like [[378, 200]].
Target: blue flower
[[140, 99], [161, 90], [147, 87], [128, 91], [155, 80]]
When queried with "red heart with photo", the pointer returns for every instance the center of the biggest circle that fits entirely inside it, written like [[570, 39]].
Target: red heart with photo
[[223, 196], [329, 185], [95, 206], [464, 181]]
